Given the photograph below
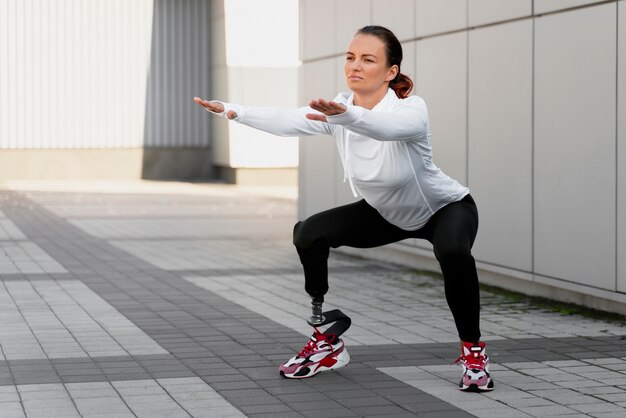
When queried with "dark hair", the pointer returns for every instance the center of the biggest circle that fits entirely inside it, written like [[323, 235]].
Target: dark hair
[[402, 84]]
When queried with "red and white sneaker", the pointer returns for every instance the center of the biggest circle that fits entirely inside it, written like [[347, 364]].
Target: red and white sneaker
[[475, 363], [321, 353]]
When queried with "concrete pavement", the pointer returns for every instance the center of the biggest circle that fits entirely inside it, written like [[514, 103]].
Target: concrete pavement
[[170, 299]]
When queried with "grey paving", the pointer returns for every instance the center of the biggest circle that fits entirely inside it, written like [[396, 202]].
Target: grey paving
[[178, 304], [18, 256]]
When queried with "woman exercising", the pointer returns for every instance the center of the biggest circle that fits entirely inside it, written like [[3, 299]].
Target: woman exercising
[[384, 142]]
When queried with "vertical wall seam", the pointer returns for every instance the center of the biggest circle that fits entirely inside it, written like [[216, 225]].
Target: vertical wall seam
[[334, 62], [616, 146], [467, 70], [532, 144]]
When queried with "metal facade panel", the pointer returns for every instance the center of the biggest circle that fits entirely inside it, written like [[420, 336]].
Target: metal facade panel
[[442, 82], [574, 146], [621, 148], [481, 12], [439, 16], [103, 73], [500, 141]]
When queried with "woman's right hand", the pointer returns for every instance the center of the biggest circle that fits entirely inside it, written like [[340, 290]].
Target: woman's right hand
[[216, 107]]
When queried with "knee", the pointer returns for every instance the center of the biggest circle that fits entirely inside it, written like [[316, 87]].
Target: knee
[[305, 233], [298, 235], [454, 254]]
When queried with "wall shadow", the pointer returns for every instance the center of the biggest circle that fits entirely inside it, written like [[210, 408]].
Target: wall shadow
[[177, 132]]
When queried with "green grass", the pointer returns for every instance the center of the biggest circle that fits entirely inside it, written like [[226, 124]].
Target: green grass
[[537, 302], [550, 305]]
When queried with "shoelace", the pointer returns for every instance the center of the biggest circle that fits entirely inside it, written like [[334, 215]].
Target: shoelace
[[312, 345], [472, 360]]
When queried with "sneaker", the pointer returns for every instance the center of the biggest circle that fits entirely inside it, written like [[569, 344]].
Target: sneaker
[[475, 363], [322, 352]]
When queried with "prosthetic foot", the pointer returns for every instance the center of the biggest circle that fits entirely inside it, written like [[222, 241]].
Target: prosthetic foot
[[325, 350]]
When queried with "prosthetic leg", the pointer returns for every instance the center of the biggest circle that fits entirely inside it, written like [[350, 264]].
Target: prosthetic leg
[[325, 350]]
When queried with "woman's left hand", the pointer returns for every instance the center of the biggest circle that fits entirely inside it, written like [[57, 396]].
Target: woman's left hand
[[327, 107]]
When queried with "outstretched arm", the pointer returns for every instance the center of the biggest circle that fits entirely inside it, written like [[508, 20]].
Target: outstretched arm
[[409, 122], [277, 121]]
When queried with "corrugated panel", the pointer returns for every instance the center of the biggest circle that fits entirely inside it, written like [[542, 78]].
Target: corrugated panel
[[103, 73]]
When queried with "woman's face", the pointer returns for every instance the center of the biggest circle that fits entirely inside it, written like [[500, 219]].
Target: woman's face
[[366, 65]]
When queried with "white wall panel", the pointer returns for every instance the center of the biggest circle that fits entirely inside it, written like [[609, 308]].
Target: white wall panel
[[103, 73], [574, 150], [437, 16], [408, 61], [480, 12], [317, 176], [441, 81], [500, 141], [621, 148], [398, 16], [249, 147], [351, 15], [319, 28], [4, 73], [543, 6]]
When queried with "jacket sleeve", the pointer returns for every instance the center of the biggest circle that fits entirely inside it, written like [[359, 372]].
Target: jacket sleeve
[[407, 123], [278, 121]]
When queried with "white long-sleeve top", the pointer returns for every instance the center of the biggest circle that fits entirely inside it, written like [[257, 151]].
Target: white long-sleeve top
[[386, 153]]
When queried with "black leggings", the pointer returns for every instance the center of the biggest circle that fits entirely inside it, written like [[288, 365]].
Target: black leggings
[[451, 230]]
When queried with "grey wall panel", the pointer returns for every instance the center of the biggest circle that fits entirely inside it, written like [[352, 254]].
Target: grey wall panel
[[409, 60], [398, 16], [319, 28], [574, 150], [480, 12], [621, 148], [317, 169], [543, 6], [441, 79], [437, 16], [500, 141], [178, 70], [351, 15]]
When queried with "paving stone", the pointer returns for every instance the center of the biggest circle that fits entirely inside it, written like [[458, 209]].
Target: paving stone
[[227, 303], [259, 409]]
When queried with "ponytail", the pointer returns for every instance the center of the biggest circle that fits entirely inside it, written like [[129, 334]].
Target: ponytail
[[402, 85]]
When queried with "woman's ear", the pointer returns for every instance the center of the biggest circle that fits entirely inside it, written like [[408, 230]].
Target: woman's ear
[[393, 72]]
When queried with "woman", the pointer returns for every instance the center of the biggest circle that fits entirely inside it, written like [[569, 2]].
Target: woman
[[384, 143]]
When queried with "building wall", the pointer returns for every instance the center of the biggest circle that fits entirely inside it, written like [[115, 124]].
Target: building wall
[[256, 65], [525, 99], [103, 75]]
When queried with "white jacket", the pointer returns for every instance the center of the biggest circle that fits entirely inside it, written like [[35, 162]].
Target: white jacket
[[386, 153]]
